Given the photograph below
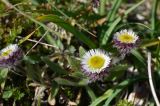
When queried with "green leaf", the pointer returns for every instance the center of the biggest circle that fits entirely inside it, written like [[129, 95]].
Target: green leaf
[[78, 74], [102, 98], [82, 51], [54, 67], [74, 63], [138, 57], [72, 49], [115, 6], [124, 102], [117, 71], [90, 93], [102, 7], [33, 59], [117, 90], [109, 31], [7, 94], [3, 76], [55, 19], [149, 43], [63, 81], [112, 96], [54, 90], [34, 73], [17, 94]]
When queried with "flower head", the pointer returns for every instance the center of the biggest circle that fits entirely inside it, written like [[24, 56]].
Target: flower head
[[125, 41], [95, 63], [10, 55]]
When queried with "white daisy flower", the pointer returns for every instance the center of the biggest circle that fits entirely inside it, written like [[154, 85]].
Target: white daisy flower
[[94, 64], [10, 55], [125, 40]]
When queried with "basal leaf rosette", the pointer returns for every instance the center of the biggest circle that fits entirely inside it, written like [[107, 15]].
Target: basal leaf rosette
[[95, 64], [10, 55], [125, 41]]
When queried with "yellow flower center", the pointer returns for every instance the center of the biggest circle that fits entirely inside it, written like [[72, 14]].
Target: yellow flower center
[[6, 53], [126, 38], [96, 62]]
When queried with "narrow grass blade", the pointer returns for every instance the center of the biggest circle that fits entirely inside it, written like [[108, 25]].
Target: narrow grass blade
[[105, 37], [55, 19], [139, 57], [55, 89], [102, 7], [90, 93], [153, 16], [111, 93], [118, 89], [109, 31], [102, 98], [115, 6]]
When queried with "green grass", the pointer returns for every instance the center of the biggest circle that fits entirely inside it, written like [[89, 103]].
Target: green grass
[[55, 34]]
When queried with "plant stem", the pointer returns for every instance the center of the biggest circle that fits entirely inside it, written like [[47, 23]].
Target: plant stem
[[45, 44], [150, 80], [37, 42]]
